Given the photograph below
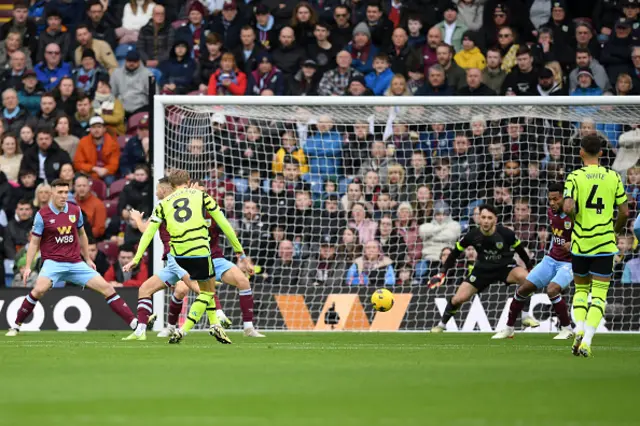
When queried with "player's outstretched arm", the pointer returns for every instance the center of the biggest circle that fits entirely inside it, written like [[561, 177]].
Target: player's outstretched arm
[[439, 279]]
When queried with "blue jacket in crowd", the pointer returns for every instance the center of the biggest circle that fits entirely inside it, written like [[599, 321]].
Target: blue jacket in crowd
[[364, 67], [51, 77], [379, 83], [325, 153]]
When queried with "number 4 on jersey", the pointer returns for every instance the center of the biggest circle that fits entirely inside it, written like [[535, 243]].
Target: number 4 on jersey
[[598, 206]]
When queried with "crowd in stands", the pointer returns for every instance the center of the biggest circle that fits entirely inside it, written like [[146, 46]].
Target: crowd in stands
[[324, 203]]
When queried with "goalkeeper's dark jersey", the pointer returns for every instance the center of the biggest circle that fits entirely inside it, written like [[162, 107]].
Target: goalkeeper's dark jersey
[[494, 251]]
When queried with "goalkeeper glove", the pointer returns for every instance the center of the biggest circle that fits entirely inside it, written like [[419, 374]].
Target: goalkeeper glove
[[437, 280]]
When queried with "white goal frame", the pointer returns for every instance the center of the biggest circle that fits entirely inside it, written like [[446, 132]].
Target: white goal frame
[[162, 101]]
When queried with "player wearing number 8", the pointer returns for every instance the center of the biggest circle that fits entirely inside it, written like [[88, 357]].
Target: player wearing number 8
[[590, 196]]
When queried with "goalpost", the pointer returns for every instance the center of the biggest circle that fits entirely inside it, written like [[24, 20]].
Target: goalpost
[[435, 160]]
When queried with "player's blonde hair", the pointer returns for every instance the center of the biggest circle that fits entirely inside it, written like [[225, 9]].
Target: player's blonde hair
[[179, 177]]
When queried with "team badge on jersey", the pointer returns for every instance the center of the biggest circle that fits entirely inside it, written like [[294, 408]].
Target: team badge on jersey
[[499, 245], [567, 225], [208, 222], [72, 218]]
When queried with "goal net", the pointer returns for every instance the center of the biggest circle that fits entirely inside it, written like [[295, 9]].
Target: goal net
[[335, 197]]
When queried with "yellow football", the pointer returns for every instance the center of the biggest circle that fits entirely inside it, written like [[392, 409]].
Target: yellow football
[[382, 300]]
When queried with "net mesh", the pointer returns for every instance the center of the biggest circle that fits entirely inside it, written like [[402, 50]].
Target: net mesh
[[333, 202]]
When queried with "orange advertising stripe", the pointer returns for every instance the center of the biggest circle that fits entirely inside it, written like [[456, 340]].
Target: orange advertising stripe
[[350, 311], [390, 321], [294, 311]]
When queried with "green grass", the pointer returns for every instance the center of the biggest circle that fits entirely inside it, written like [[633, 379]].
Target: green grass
[[313, 379]]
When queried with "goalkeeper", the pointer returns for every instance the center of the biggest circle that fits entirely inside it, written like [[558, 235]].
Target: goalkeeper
[[189, 259], [590, 194]]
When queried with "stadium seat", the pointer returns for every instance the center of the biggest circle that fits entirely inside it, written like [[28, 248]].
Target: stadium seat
[[112, 207], [110, 249], [99, 188], [116, 188]]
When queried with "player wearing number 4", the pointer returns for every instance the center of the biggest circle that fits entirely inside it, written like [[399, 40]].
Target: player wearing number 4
[[189, 259], [590, 195], [495, 245], [58, 232], [554, 272]]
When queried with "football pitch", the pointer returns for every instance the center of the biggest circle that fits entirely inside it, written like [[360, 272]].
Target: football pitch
[[317, 379]]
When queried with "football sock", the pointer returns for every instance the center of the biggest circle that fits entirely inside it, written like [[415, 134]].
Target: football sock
[[526, 306], [25, 310], [212, 316], [599, 291], [175, 307], [120, 307], [246, 305], [560, 308], [517, 303], [196, 310], [581, 305], [145, 309], [449, 312]]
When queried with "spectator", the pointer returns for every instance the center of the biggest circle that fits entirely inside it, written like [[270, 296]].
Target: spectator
[[109, 108], [13, 115], [101, 49], [451, 29], [372, 268], [423, 204], [11, 45], [136, 14], [354, 195], [191, 31], [27, 138], [266, 28], [585, 60], [523, 80], [226, 24], [586, 84], [342, 31], [407, 227], [382, 206], [52, 69], [53, 155], [289, 149], [470, 56], [133, 278], [398, 87], [380, 79], [320, 49], [98, 153], [547, 85], [624, 85], [371, 188], [228, 79], [286, 270], [210, 60], [289, 54], [455, 74], [91, 205], [429, 53], [361, 49], [437, 83], [357, 87], [155, 40], [84, 113], [403, 58], [10, 157], [475, 86], [561, 25], [48, 113], [67, 174], [349, 247], [324, 149], [72, 11], [357, 146], [12, 77], [377, 161], [130, 84], [493, 75], [19, 227], [57, 34], [324, 269], [100, 25], [31, 92], [615, 52], [21, 23], [470, 14], [25, 191], [67, 96], [178, 72], [266, 76], [245, 53], [360, 221], [334, 82], [303, 23], [585, 39], [391, 243], [440, 233], [301, 223], [524, 225], [379, 26], [508, 48], [548, 49], [305, 82], [98, 258], [331, 219], [137, 194]]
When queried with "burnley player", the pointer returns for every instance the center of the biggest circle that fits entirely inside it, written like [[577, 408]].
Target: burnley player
[[591, 194], [495, 245], [183, 213], [554, 272], [58, 232]]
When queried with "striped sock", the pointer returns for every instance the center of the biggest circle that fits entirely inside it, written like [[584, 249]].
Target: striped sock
[[28, 304], [517, 303], [246, 305], [581, 305], [120, 307], [145, 309], [560, 308], [175, 307]]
